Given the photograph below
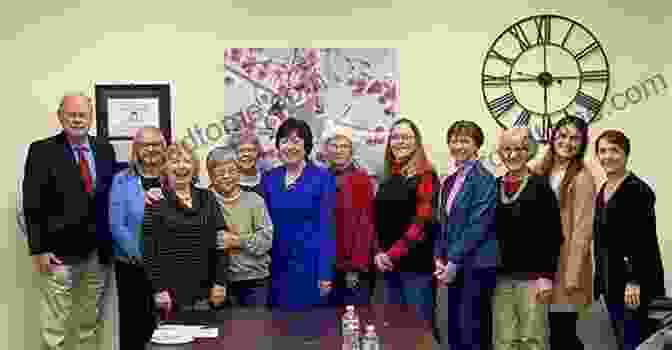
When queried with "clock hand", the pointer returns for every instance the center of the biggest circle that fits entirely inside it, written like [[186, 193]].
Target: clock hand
[[545, 100], [566, 78], [545, 65], [535, 79], [527, 74], [559, 79], [554, 77]]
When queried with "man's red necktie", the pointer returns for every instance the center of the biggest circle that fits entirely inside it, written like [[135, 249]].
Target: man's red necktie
[[84, 169]]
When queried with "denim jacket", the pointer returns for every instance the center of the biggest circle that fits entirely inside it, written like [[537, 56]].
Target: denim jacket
[[127, 208], [467, 236]]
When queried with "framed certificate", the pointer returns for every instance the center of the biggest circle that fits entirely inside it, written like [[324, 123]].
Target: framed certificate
[[124, 107]]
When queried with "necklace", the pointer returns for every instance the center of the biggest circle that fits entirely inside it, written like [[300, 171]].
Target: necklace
[[290, 179], [506, 199], [232, 199], [250, 180], [612, 186]]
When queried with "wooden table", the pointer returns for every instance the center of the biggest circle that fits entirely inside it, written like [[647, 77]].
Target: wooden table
[[397, 328]]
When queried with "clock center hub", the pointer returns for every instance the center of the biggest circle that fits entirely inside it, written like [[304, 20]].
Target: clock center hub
[[539, 79], [545, 79]]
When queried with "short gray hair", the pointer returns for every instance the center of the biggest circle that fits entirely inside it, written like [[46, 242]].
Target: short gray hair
[[134, 162], [526, 137], [224, 153]]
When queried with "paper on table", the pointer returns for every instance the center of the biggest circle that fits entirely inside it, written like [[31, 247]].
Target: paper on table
[[180, 327], [206, 333], [171, 336], [191, 331]]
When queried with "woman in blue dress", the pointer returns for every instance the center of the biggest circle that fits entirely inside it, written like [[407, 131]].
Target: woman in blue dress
[[300, 197]]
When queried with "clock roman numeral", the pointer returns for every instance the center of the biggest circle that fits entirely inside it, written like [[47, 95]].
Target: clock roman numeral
[[542, 131], [569, 31], [543, 24], [523, 118], [502, 104], [546, 128], [519, 33], [587, 50], [498, 56], [495, 81], [595, 75], [588, 102]]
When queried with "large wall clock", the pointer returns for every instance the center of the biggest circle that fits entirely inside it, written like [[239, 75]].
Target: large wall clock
[[541, 69]]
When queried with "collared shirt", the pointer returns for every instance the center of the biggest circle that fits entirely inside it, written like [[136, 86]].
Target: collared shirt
[[340, 174], [455, 182], [89, 158]]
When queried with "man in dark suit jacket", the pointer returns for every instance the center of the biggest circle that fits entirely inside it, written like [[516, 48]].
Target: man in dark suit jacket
[[65, 189]]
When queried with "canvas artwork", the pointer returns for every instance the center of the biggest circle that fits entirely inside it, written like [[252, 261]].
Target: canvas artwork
[[330, 88]]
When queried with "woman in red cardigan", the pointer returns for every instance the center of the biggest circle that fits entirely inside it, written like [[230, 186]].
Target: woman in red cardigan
[[354, 224]]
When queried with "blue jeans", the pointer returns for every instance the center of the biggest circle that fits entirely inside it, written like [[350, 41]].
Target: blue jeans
[[250, 293], [411, 288], [342, 295], [627, 325]]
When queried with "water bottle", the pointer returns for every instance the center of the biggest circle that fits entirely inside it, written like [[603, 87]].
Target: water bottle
[[356, 335], [370, 340], [350, 329]]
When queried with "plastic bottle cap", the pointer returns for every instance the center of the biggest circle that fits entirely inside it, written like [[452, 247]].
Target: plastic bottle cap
[[370, 327], [350, 307]]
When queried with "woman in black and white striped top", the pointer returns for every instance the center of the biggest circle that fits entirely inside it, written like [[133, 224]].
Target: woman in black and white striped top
[[185, 264]]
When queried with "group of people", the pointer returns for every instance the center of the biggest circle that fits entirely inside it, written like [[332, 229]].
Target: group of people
[[515, 253]]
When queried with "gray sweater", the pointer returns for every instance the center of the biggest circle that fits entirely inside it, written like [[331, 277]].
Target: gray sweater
[[251, 217]]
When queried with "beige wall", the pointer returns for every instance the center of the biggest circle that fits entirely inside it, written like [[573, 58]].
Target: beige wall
[[47, 49]]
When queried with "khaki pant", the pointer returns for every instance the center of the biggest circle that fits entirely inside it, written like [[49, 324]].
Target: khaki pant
[[519, 322], [72, 302]]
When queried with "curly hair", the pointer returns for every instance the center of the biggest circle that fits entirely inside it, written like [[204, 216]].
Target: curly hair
[[177, 150]]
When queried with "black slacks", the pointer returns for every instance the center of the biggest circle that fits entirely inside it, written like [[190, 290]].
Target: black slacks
[[137, 313], [563, 331]]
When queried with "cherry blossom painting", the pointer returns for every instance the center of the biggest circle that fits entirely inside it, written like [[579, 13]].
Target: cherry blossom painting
[[329, 88]]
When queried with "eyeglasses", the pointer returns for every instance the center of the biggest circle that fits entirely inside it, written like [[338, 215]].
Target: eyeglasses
[[294, 140], [151, 144], [247, 150], [226, 172], [396, 138], [336, 147], [74, 115], [175, 161], [508, 151]]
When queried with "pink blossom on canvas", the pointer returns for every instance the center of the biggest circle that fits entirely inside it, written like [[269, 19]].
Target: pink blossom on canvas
[[391, 95], [262, 71], [247, 120], [375, 87], [234, 55], [312, 56], [359, 87]]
